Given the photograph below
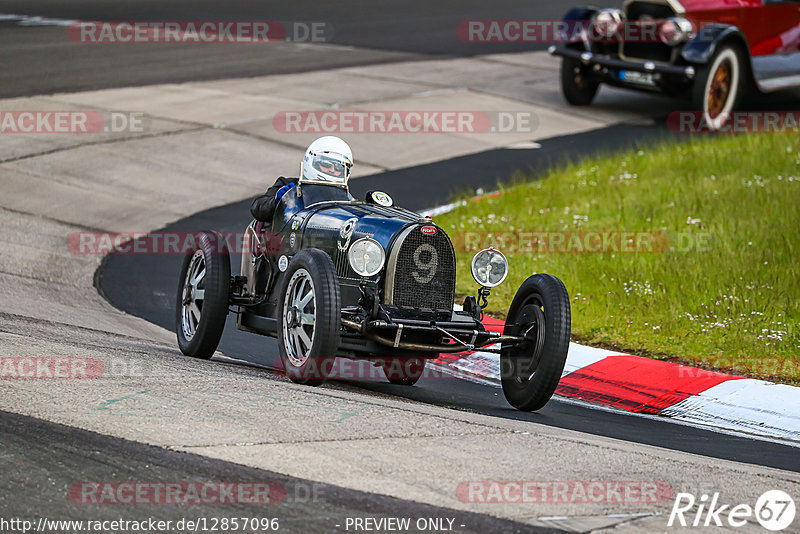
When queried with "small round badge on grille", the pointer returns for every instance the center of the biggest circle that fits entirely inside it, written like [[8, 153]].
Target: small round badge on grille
[[428, 230]]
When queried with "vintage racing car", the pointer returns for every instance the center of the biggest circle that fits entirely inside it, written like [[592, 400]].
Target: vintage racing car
[[335, 276], [711, 50]]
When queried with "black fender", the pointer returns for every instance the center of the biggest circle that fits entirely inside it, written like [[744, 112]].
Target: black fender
[[580, 13], [701, 49], [575, 17]]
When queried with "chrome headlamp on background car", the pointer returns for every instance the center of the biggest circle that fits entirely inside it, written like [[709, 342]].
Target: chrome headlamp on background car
[[675, 31], [489, 267], [607, 22], [366, 257]]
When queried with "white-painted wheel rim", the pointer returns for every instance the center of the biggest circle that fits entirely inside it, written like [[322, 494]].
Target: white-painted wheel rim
[[299, 317], [726, 56]]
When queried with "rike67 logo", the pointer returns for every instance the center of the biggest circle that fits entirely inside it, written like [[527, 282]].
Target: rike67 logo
[[774, 510]]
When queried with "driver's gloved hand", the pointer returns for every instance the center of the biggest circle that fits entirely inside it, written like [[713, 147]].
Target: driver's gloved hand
[[282, 191]]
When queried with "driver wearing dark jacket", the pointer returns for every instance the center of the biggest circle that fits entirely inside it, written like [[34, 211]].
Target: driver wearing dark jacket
[[263, 207], [328, 160]]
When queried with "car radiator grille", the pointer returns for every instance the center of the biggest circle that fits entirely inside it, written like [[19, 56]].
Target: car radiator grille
[[646, 11], [425, 270]]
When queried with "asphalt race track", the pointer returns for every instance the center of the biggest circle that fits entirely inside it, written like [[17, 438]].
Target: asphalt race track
[[306, 506], [145, 285], [42, 59]]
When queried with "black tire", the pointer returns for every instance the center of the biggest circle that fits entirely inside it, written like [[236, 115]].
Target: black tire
[[530, 373], [404, 371], [199, 337], [577, 84], [304, 364], [710, 88]]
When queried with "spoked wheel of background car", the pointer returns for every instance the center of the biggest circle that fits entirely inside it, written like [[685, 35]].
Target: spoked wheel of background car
[[309, 314], [404, 371], [719, 87], [203, 293], [577, 84], [530, 372]]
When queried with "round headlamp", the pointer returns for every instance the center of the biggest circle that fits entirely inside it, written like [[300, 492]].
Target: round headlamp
[[366, 257], [489, 267], [675, 31], [607, 22]]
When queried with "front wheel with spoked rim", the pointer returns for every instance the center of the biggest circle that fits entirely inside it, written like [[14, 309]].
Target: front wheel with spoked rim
[[530, 371], [202, 301], [578, 85], [308, 317]]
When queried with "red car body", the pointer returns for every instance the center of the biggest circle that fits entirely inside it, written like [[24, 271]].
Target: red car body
[[770, 27], [720, 49]]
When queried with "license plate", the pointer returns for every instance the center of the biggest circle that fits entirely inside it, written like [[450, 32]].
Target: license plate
[[640, 78]]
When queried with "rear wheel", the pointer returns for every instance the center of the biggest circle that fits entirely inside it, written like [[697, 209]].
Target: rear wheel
[[719, 87], [202, 302], [530, 371], [309, 317], [577, 84]]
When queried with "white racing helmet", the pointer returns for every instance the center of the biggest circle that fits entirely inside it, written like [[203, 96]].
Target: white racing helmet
[[328, 160]]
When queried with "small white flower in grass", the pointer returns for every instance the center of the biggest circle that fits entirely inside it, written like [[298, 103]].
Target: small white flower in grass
[[690, 220], [637, 288]]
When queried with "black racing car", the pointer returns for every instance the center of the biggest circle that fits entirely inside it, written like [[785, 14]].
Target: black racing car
[[338, 277]]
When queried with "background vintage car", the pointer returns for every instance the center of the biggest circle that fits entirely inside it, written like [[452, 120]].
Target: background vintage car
[[714, 51]]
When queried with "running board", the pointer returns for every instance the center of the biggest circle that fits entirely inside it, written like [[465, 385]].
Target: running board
[[258, 324]]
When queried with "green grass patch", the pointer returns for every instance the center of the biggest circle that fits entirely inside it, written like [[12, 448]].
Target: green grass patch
[[721, 290]]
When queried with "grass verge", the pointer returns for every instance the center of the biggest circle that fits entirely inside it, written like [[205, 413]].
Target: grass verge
[[716, 284]]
